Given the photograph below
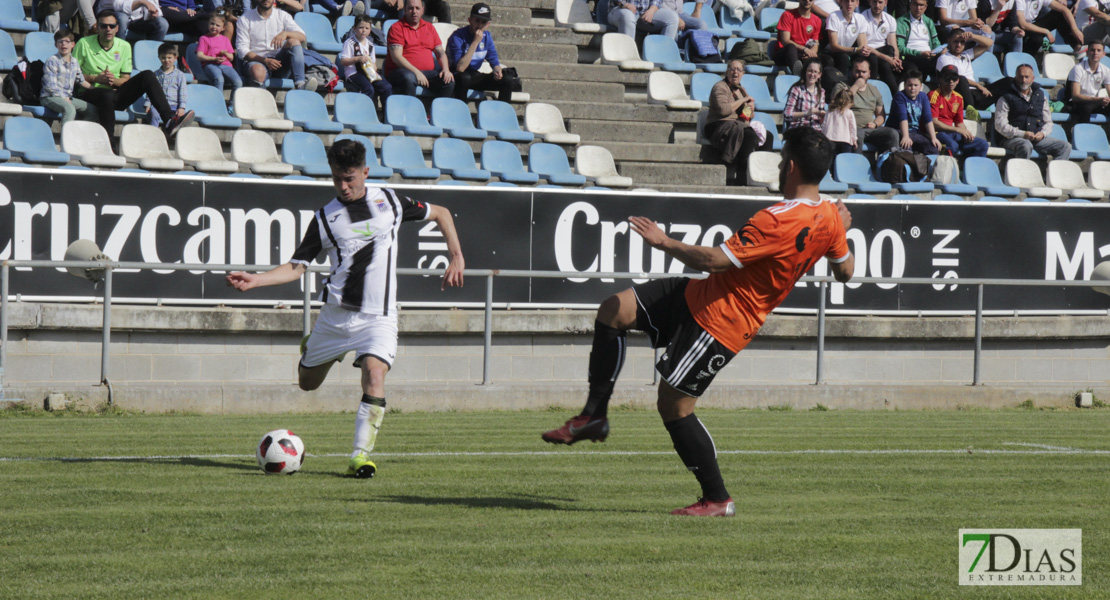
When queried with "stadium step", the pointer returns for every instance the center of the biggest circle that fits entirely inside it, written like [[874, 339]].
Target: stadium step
[[649, 173], [531, 34], [502, 15], [549, 71], [666, 153], [620, 111], [708, 189], [513, 51], [621, 131], [564, 90]]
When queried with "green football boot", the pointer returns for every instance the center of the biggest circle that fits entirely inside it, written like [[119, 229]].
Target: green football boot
[[360, 466]]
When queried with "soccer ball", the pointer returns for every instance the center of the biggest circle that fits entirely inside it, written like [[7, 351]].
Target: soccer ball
[[280, 452]]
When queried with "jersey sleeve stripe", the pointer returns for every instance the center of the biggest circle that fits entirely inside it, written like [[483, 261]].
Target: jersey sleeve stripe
[[841, 259], [732, 257]]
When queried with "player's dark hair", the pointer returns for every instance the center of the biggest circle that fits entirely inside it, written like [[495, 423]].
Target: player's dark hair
[[346, 154], [810, 150]]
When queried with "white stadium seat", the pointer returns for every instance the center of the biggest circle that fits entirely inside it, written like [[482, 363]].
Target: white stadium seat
[[1057, 65], [256, 149], [596, 163], [1067, 176], [620, 50], [665, 87], [146, 145], [575, 14], [763, 169], [88, 142], [258, 108], [201, 148], [1025, 174], [546, 122], [1100, 175]]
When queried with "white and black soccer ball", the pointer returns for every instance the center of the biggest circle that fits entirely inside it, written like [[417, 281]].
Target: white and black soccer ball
[[280, 452]]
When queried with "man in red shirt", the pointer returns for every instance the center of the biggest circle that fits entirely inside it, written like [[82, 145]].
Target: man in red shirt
[[703, 323], [416, 56], [799, 30], [948, 117]]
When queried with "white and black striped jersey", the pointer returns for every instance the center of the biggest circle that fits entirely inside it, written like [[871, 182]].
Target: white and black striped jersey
[[361, 241]]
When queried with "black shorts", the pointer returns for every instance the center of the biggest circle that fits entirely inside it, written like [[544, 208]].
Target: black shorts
[[692, 357]]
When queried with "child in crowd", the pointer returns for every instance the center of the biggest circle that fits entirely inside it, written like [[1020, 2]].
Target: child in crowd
[[358, 63], [912, 114], [215, 53], [61, 75], [840, 123], [172, 82]]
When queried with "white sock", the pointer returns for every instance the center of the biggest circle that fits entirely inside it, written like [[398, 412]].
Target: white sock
[[368, 421]]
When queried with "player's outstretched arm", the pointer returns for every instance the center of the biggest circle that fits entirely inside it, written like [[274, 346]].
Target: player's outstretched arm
[[453, 276], [244, 281], [843, 270], [701, 258]]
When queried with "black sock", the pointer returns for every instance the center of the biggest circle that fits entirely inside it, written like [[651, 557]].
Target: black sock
[[376, 401], [696, 449], [606, 360]]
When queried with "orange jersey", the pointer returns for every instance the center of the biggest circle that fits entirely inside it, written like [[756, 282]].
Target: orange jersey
[[769, 253]]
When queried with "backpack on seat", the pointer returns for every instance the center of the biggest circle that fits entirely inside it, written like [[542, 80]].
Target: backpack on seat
[[24, 83], [903, 166]]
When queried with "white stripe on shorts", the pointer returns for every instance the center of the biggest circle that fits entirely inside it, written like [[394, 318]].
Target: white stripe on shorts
[[684, 365]]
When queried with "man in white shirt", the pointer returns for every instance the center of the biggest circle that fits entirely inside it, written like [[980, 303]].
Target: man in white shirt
[[1085, 81], [269, 43], [959, 54], [1093, 17], [882, 44], [825, 8], [1039, 18], [847, 33], [952, 14], [141, 16]]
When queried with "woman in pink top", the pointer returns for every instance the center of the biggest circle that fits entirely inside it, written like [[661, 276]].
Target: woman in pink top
[[840, 123], [215, 54]]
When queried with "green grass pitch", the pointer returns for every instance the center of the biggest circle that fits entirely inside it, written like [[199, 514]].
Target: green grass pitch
[[474, 505]]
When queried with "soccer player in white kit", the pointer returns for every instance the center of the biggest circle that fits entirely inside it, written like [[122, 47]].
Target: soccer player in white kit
[[358, 229]]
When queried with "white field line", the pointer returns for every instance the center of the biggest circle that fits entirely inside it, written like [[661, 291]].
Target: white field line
[[887, 451], [1044, 446]]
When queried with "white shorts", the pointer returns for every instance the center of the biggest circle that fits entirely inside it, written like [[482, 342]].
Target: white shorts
[[338, 331]]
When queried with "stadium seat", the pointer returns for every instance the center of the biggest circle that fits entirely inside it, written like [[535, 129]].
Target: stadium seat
[[993, 199], [699, 136], [258, 108], [1067, 176], [1057, 132], [854, 170], [616, 49], [13, 17], [861, 197], [1031, 199], [666, 88], [210, 111], [1058, 66], [499, 118], [501, 184], [306, 152], [1077, 201], [373, 166], [757, 88], [406, 113], [753, 69], [1099, 176], [8, 57], [771, 127], [983, 174], [357, 113], [146, 145], [976, 130], [308, 111], [986, 68], [596, 163], [953, 185], [87, 142], [763, 170], [404, 156], [344, 24], [503, 160], [444, 30], [31, 140], [453, 116], [828, 185], [1013, 59], [318, 31], [662, 51], [783, 83], [145, 58], [888, 97], [245, 176], [745, 29], [949, 198], [546, 122], [575, 15], [1091, 139], [905, 197], [1025, 174], [453, 182], [701, 84], [9, 109], [915, 187], [550, 162], [194, 64], [709, 19], [39, 45], [256, 150], [201, 148], [455, 158]]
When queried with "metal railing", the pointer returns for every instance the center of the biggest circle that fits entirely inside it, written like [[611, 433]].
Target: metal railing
[[823, 282]]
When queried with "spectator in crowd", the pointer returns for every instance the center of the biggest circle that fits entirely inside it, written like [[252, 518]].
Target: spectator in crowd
[[840, 123], [686, 22], [882, 44], [106, 63], [337, 9], [913, 116], [61, 75], [54, 21], [728, 125], [1085, 81], [948, 117], [647, 16], [144, 17], [439, 10], [416, 56], [825, 8], [358, 61], [172, 81], [270, 43], [183, 17], [1023, 119], [215, 53], [799, 30], [917, 38], [805, 102], [1093, 17], [962, 14], [1039, 18], [960, 56], [470, 46], [847, 32], [291, 7], [1003, 23], [867, 106]]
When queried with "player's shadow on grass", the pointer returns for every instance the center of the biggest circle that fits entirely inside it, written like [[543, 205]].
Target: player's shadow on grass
[[519, 502], [190, 462]]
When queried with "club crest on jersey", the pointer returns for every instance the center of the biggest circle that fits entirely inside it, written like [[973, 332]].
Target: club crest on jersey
[[381, 205]]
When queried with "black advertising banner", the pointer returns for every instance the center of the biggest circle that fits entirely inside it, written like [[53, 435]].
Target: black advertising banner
[[220, 220]]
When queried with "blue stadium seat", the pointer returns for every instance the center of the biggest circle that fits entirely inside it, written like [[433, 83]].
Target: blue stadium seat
[[829, 185], [406, 114], [453, 116], [306, 152], [31, 139], [749, 29], [986, 68], [862, 197], [1091, 139], [357, 113], [308, 111], [550, 162], [39, 45], [13, 17], [8, 57], [757, 88], [501, 184], [949, 198], [753, 69], [992, 199], [210, 107], [983, 173], [1036, 200], [772, 128], [915, 187], [499, 118], [382, 50], [769, 19], [145, 57], [1013, 59], [1077, 201], [194, 64], [375, 169], [241, 175], [318, 31], [455, 158], [1061, 47], [783, 83], [700, 86], [905, 197], [854, 170], [344, 25], [888, 97], [503, 160], [663, 51], [454, 182], [708, 18], [403, 155], [1058, 132]]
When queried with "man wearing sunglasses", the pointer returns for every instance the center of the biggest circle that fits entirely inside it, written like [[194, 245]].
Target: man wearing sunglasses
[[105, 61]]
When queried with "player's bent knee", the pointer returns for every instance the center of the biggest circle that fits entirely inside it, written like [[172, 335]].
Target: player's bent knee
[[619, 310]]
